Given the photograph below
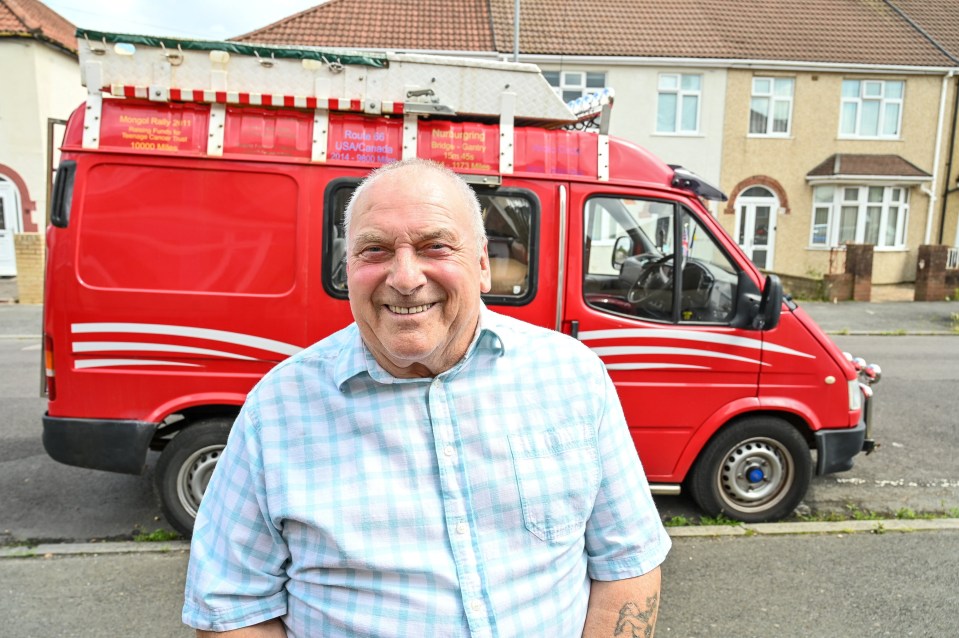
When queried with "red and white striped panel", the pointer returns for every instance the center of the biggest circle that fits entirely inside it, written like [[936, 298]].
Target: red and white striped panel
[[254, 99]]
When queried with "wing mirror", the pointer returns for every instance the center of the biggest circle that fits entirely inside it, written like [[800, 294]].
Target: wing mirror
[[622, 249], [770, 304]]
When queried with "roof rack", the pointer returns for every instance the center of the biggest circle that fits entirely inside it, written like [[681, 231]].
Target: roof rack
[[229, 73]]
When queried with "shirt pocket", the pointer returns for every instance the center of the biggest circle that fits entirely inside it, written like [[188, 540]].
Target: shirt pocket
[[557, 472]]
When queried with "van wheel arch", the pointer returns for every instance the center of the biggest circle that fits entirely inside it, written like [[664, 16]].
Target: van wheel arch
[[754, 469]]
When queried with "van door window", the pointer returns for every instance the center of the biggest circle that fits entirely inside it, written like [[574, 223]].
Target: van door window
[[633, 251], [510, 217]]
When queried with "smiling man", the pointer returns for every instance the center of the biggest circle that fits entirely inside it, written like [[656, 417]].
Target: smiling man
[[434, 469]]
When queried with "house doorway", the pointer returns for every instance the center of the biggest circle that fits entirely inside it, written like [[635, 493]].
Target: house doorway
[[756, 209], [9, 224]]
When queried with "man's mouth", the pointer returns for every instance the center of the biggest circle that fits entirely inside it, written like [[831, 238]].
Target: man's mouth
[[403, 310]]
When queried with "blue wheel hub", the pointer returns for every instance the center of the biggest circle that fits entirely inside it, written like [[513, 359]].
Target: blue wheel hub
[[755, 475]]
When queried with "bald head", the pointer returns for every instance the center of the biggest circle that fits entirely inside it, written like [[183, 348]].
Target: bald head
[[418, 171]]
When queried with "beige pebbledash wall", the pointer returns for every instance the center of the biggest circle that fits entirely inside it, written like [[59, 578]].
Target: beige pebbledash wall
[[814, 136]]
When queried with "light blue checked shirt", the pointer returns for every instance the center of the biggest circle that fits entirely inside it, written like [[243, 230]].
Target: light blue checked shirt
[[477, 503]]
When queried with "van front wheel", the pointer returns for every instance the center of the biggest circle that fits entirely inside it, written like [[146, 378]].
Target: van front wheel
[[755, 470], [184, 469]]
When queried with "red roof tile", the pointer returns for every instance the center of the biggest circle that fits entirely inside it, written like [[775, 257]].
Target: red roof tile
[[30, 18], [855, 164], [938, 19], [458, 25], [844, 31]]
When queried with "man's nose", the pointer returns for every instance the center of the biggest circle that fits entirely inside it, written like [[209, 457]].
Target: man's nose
[[406, 273]]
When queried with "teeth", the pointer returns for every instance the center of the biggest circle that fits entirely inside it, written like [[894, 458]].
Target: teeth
[[402, 310]]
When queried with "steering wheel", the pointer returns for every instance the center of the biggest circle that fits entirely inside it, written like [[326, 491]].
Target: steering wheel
[[655, 279]]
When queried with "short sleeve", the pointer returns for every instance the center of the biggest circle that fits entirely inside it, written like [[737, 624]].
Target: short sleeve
[[237, 570], [625, 537]]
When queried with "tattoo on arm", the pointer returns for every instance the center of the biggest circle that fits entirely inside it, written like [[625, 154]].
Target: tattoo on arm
[[637, 622]]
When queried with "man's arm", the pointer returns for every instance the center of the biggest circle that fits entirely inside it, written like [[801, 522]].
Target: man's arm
[[623, 607], [269, 629]]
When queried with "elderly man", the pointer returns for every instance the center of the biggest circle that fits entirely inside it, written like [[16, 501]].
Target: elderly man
[[434, 469]]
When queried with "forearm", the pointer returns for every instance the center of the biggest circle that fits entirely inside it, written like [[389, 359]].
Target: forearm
[[623, 607], [269, 629]]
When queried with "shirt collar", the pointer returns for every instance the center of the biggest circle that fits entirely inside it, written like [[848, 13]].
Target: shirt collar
[[355, 358]]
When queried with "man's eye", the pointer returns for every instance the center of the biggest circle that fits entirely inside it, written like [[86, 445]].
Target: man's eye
[[372, 252]]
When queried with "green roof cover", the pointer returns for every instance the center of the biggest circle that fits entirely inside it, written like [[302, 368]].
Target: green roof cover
[[263, 50]]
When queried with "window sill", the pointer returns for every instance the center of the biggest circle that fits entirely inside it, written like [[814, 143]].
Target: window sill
[[878, 249], [859, 138], [662, 134], [760, 136]]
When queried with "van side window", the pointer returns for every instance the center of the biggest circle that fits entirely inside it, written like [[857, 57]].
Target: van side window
[[510, 217], [631, 259]]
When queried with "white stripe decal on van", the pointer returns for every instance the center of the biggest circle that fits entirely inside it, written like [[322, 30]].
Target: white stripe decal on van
[[687, 352], [186, 331], [691, 335], [105, 363], [653, 366], [123, 346]]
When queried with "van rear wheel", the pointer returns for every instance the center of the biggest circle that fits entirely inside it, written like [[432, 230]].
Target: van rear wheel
[[753, 471], [185, 467]]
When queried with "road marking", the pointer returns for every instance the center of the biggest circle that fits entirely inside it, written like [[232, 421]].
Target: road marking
[[35, 346], [950, 483]]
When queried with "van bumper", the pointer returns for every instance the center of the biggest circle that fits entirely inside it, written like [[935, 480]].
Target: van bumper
[[836, 448], [98, 444]]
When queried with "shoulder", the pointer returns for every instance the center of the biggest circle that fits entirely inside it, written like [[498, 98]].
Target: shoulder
[[525, 339], [315, 363]]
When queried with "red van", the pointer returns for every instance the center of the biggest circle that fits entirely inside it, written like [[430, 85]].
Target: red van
[[196, 241]]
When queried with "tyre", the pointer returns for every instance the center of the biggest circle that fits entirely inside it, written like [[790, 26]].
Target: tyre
[[185, 467], [755, 470]]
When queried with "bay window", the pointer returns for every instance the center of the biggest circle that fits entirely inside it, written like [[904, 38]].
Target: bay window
[[859, 214]]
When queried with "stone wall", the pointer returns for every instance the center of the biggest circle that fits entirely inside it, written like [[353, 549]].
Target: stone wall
[[31, 255], [931, 272]]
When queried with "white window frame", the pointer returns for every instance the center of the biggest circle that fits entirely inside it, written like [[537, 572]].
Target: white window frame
[[844, 197], [680, 94], [772, 101], [871, 91], [569, 82]]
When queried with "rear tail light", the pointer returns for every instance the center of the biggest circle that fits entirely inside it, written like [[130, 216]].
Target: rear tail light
[[48, 367]]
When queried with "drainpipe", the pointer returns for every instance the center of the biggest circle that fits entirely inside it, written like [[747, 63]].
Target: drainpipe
[[935, 161], [946, 188]]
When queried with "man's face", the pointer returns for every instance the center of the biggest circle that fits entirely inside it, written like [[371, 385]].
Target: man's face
[[415, 272]]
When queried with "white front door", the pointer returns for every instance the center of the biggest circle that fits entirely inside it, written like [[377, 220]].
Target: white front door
[[9, 224], [756, 225]]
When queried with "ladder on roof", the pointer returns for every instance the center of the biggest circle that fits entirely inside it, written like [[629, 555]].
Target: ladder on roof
[[324, 80]]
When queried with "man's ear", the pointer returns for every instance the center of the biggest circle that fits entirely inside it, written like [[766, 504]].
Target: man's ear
[[486, 275]]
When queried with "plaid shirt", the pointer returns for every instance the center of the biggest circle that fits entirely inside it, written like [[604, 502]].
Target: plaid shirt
[[477, 503]]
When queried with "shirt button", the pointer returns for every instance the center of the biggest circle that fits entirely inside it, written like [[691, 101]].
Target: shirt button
[[461, 528], [448, 450], [476, 605]]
